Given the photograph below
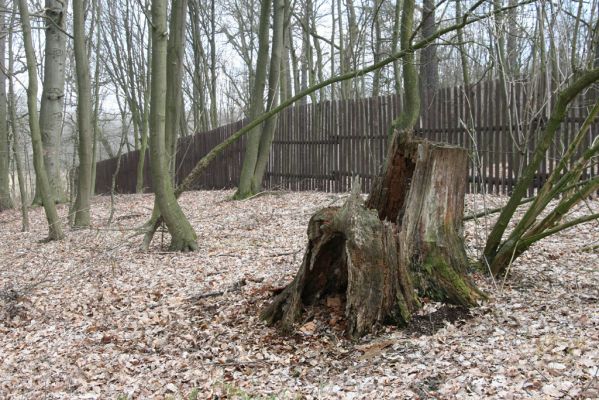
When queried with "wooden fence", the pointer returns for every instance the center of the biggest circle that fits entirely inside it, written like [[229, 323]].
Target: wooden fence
[[322, 146]]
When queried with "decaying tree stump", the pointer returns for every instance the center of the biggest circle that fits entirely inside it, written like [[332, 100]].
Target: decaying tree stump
[[405, 242]]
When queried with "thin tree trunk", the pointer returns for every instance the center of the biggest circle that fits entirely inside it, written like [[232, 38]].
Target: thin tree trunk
[[97, 134], [16, 134], [513, 56], [494, 241], [256, 108], [394, 46], [462, 47], [145, 125], [183, 237], [55, 227], [174, 76], [407, 119], [213, 66], [429, 65], [201, 121], [376, 48], [276, 60], [84, 118], [5, 199]]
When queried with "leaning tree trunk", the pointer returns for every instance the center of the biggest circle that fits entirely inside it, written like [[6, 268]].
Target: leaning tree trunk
[[405, 242]]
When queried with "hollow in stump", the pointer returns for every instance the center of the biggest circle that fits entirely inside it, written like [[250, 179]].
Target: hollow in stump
[[383, 255]]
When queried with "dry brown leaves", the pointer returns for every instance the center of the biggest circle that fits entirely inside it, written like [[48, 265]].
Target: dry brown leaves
[[94, 317]]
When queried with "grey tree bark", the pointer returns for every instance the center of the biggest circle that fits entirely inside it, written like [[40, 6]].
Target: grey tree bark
[[174, 76], [429, 64], [248, 167], [276, 61], [97, 132], [52, 103], [16, 148], [55, 226], [183, 237], [5, 199], [84, 118]]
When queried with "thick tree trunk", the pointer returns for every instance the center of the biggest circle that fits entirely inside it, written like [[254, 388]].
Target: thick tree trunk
[[54, 224], [52, 102], [406, 239]]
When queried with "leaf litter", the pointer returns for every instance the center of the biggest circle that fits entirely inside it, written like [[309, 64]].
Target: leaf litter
[[94, 317]]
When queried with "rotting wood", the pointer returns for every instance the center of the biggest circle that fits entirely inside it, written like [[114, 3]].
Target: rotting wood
[[382, 256]]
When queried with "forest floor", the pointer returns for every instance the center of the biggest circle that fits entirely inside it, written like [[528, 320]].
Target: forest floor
[[92, 316]]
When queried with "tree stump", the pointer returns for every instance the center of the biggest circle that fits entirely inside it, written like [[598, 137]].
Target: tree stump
[[404, 243]]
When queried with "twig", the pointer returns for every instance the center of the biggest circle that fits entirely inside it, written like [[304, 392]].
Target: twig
[[236, 287]]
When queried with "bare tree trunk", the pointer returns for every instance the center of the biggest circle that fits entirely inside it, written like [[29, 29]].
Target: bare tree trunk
[[394, 46], [213, 66], [276, 60], [5, 199], [52, 103], [174, 76], [257, 106], [15, 132], [183, 238], [201, 120], [55, 227], [145, 125], [377, 47], [429, 64], [407, 119], [97, 133], [462, 47], [84, 116]]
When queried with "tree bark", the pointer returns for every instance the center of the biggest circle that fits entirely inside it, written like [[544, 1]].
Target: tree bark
[[55, 227], [15, 132], [429, 64], [462, 47], [407, 119], [406, 239], [183, 237], [5, 199], [269, 126], [175, 55], [250, 157], [84, 115], [97, 133], [52, 102]]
